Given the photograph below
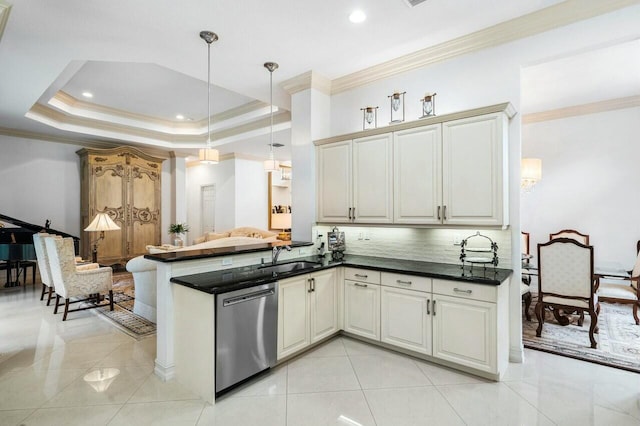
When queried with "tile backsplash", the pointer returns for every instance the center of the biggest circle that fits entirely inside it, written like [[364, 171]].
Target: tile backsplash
[[422, 244]]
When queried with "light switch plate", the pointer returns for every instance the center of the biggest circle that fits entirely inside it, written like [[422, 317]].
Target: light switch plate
[[227, 261], [457, 239]]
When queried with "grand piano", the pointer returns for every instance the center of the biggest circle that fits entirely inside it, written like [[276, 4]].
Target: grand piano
[[16, 244]]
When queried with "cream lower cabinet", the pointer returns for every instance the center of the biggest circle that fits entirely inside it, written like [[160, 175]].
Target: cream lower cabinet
[[465, 325], [362, 309], [307, 310], [406, 319]]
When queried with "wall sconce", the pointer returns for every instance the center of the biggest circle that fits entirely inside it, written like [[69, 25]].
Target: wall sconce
[[428, 105], [369, 118], [397, 107], [530, 173], [102, 222]]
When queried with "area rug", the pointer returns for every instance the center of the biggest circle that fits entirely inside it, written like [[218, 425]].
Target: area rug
[[122, 315], [618, 338]]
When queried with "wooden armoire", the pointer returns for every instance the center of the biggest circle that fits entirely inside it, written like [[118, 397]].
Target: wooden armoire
[[123, 182]]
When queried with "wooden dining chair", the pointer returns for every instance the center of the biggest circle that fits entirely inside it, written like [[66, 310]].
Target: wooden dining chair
[[525, 289], [625, 290], [571, 233], [566, 281]]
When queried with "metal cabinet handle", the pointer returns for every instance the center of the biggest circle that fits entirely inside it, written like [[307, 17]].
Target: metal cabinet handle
[[361, 276], [349, 213], [313, 283], [360, 285], [354, 213], [444, 213], [403, 282], [428, 303], [434, 308], [457, 290], [310, 290], [438, 212]]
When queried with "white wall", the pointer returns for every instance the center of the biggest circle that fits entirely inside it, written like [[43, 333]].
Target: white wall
[[589, 182], [252, 194], [40, 180], [241, 194]]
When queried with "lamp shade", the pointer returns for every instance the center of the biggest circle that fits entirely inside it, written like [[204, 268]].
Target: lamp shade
[[281, 220], [531, 168], [102, 222], [271, 165], [209, 156], [530, 172]]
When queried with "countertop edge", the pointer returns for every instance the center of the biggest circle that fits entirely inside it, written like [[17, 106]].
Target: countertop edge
[[179, 256]]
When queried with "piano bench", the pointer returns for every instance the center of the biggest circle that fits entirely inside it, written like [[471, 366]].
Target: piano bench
[[24, 265]]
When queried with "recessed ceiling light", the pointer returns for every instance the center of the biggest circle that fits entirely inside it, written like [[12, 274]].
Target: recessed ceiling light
[[180, 117], [87, 94], [357, 16]]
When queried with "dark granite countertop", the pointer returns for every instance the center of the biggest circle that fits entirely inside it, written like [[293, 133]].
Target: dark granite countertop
[[215, 282], [177, 256]]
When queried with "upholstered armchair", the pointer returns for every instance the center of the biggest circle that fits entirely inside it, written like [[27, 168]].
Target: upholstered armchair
[[566, 281], [69, 282], [43, 265]]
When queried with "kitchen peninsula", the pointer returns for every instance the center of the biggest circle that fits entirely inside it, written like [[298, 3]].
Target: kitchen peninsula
[[434, 311]]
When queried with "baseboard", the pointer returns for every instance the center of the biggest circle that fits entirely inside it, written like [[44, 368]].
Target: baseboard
[[516, 354], [165, 373]]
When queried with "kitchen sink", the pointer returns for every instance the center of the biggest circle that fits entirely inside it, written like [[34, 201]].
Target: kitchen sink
[[290, 267]]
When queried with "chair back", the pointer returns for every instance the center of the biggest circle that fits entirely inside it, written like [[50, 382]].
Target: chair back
[[635, 272], [565, 269], [42, 258], [62, 261], [572, 234], [524, 242]]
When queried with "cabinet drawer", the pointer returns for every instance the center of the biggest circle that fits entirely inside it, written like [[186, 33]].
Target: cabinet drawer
[[362, 275], [488, 293], [408, 282]]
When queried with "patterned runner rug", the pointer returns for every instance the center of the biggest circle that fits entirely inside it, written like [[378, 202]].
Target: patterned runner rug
[[122, 315], [618, 339]]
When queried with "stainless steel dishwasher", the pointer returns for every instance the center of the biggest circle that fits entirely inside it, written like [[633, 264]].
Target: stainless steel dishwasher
[[246, 333]]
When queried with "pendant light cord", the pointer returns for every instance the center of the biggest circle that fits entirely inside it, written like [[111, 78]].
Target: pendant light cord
[[208, 95], [271, 103]]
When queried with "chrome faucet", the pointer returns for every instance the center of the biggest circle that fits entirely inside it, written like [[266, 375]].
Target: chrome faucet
[[276, 252]]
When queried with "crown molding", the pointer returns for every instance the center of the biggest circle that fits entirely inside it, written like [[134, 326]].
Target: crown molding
[[226, 157], [559, 15], [584, 109], [5, 10], [308, 80], [85, 143]]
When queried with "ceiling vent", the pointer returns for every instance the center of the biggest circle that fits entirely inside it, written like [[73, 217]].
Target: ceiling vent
[[413, 3]]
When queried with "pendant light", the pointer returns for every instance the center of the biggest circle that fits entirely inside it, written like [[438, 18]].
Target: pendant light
[[271, 165], [208, 155]]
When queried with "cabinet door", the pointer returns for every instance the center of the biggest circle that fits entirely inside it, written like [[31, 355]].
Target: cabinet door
[[293, 315], [404, 319], [373, 179], [417, 179], [108, 195], [474, 171], [143, 206], [362, 309], [334, 182], [324, 304], [464, 332]]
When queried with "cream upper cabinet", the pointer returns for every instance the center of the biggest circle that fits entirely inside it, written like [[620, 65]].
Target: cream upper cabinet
[[417, 175], [334, 182], [475, 171], [445, 170], [355, 181], [373, 179]]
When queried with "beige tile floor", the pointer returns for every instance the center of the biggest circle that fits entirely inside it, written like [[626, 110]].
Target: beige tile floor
[[43, 363]]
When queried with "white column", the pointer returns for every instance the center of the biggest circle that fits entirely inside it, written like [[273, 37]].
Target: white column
[[177, 193], [310, 116]]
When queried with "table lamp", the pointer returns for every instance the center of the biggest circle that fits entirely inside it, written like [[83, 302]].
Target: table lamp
[[281, 221], [102, 222]]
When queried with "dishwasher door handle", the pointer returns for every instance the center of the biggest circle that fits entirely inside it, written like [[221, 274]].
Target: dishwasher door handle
[[248, 297]]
